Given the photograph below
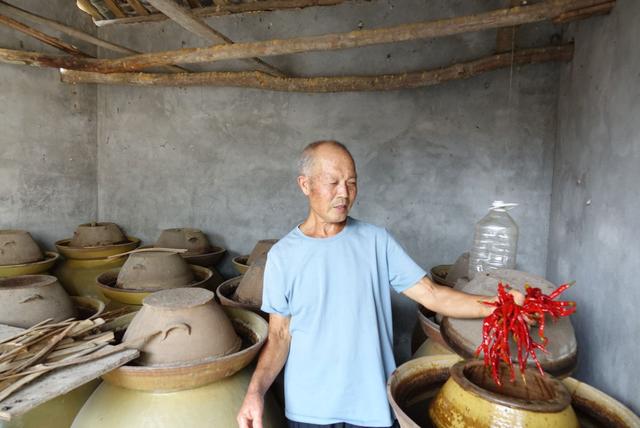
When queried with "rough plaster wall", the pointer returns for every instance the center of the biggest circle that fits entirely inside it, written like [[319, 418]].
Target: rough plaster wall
[[48, 140], [595, 225], [430, 161]]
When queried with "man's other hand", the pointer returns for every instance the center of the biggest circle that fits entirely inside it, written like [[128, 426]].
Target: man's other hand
[[250, 414]]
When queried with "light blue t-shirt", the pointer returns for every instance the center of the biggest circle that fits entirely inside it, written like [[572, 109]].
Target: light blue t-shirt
[[336, 291]]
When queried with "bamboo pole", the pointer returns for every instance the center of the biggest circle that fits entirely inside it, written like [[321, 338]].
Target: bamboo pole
[[545, 10], [260, 80], [227, 9], [185, 18], [9, 9]]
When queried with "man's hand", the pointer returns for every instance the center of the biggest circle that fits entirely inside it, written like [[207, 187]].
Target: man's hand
[[250, 414]]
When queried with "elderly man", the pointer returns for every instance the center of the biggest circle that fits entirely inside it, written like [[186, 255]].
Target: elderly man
[[326, 288]]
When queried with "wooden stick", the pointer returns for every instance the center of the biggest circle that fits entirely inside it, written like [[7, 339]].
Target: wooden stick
[[6, 392], [17, 335], [185, 18], [265, 81], [131, 344], [143, 250], [227, 9], [114, 8], [599, 9], [39, 35], [547, 9], [7, 8]]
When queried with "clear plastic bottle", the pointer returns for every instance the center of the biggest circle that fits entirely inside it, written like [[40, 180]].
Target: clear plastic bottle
[[495, 241]]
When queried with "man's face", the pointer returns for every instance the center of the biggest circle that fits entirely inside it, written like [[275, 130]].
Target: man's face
[[332, 186]]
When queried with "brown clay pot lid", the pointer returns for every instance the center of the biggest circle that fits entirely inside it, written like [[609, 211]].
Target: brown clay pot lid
[[187, 325], [249, 289], [260, 250], [154, 270], [193, 240], [464, 335], [226, 294], [251, 328], [92, 235], [17, 247]]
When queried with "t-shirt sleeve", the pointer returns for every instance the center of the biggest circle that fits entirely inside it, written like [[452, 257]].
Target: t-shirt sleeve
[[403, 271], [275, 298]]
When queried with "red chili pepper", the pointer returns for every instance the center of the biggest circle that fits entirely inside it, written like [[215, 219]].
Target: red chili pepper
[[510, 320]]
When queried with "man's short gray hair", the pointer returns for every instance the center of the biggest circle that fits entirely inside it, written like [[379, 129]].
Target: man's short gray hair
[[305, 163]]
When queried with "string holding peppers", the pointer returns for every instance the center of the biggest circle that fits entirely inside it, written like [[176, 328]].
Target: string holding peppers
[[511, 320]]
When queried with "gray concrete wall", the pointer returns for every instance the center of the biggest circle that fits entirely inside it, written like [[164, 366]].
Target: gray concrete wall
[[595, 225], [48, 140], [430, 161]]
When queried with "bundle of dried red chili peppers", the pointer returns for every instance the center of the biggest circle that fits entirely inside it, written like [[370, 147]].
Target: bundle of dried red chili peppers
[[510, 319]]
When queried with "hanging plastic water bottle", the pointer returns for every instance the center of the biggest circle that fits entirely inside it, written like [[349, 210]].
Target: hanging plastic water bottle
[[495, 241]]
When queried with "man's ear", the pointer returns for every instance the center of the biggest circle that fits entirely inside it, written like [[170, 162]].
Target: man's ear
[[304, 183]]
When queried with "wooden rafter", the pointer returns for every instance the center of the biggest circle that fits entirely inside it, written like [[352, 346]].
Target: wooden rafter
[[548, 9], [39, 35], [183, 17], [138, 7], [506, 37], [6, 8], [265, 81], [114, 8], [226, 8]]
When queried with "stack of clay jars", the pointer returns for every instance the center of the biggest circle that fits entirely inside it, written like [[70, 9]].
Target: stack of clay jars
[[88, 254], [149, 270], [194, 349], [199, 250], [445, 391], [245, 291], [21, 255]]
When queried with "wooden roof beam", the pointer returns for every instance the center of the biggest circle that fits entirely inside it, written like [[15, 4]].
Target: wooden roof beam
[[39, 35], [259, 80], [183, 17], [9, 9], [227, 9], [545, 10]]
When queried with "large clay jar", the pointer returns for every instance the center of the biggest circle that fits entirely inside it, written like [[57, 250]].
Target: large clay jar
[[212, 405], [18, 247], [188, 325], [30, 299], [471, 398], [58, 412], [193, 240], [97, 235], [202, 393], [78, 272], [154, 270], [249, 289]]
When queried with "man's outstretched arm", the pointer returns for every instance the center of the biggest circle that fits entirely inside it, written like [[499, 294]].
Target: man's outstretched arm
[[453, 303], [270, 363]]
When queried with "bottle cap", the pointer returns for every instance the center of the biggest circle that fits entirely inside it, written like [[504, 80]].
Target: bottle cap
[[502, 206]]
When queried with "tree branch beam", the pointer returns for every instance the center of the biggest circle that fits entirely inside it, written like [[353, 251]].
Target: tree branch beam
[[9, 9], [389, 82], [189, 22], [223, 9], [39, 35], [548, 9]]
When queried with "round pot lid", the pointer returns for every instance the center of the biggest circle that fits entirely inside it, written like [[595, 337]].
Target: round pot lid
[[465, 335]]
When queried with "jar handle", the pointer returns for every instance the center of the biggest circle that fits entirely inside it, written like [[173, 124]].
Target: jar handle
[[34, 297], [178, 326]]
